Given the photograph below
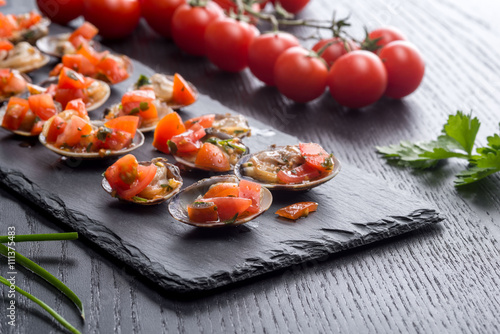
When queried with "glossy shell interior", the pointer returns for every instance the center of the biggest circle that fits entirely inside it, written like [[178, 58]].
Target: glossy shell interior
[[172, 172], [217, 134], [137, 142], [95, 104], [51, 44], [178, 205], [239, 172]]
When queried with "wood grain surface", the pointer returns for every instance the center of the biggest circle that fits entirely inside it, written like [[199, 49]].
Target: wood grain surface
[[437, 280]]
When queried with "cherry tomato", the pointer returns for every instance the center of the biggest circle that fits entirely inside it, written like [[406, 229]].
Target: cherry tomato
[[158, 14], [405, 68], [337, 49], [387, 35], [300, 74], [61, 11], [113, 18], [357, 79], [263, 52], [227, 42], [189, 24], [293, 6]]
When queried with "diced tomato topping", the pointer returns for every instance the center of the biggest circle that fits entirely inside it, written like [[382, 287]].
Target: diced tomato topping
[[182, 92], [26, 21], [87, 30], [252, 191], [169, 126], [78, 63], [128, 178], [116, 140], [90, 54], [5, 73], [64, 96], [37, 128], [42, 105], [15, 113], [299, 174], [205, 121], [316, 157], [229, 207], [203, 212], [140, 103], [75, 130], [297, 210], [223, 189], [69, 79], [56, 127], [77, 105], [3, 2], [56, 70], [146, 174], [112, 70], [211, 157], [6, 45], [127, 124], [6, 26], [189, 141]]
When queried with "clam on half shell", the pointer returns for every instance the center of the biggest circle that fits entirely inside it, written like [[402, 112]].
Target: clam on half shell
[[99, 92], [210, 133], [137, 142], [24, 57], [163, 86], [26, 78], [239, 171], [54, 45], [33, 33], [178, 205], [169, 172]]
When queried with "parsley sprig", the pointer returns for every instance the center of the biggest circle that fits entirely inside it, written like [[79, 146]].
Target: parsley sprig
[[456, 141]]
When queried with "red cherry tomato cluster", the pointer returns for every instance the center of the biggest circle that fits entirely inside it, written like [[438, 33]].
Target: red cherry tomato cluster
[[357, 74]]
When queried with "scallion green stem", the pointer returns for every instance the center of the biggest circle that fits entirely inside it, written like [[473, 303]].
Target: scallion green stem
[[46, 307], [28, 264], [39, 237]]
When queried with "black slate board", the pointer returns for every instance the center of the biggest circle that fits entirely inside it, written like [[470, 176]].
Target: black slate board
[[355, 210]]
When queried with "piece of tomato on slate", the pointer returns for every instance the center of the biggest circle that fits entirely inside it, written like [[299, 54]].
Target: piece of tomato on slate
[[297, 210]]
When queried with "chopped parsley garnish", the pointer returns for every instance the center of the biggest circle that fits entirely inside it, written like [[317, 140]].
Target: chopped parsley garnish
[[134, 111], [142, 81], [103, 133], [139, 199], [144, 106], [172, 146], [232, 220]]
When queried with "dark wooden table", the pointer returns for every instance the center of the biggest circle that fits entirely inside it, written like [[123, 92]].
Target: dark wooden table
[[444, 279]]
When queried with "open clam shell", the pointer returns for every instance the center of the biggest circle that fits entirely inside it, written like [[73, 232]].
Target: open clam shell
[[24, 57], [171, 172], [53, 45], [32, 34], [233, 125], [172, 104], [99, 92], [178, 205], [137, 142], [210, 133], [162, 109], [239, 171]]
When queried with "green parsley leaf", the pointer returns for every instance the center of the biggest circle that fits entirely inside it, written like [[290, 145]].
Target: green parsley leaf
[[144, 106], [463, 129], [142, 81], [172, 146]]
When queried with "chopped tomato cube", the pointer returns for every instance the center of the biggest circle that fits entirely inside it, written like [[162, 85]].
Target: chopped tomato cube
[[78, 63], [77, 105], [56, 70], [203, 212], [189, 141], [56, 127], [6, 45], [112, 70], [116, 140], [140, 103], [69, 79], [297, 210], [205, 121], [75, 130], [87, 30], [169, 126], [64, 96], [146, 174], [316, 156], [252, 191], [182, 92], [37, 128], [299, 174], [15, 113], [26, 21], [229, 207], [42, 105], [127, 124], [211, 157], [223, 189]]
